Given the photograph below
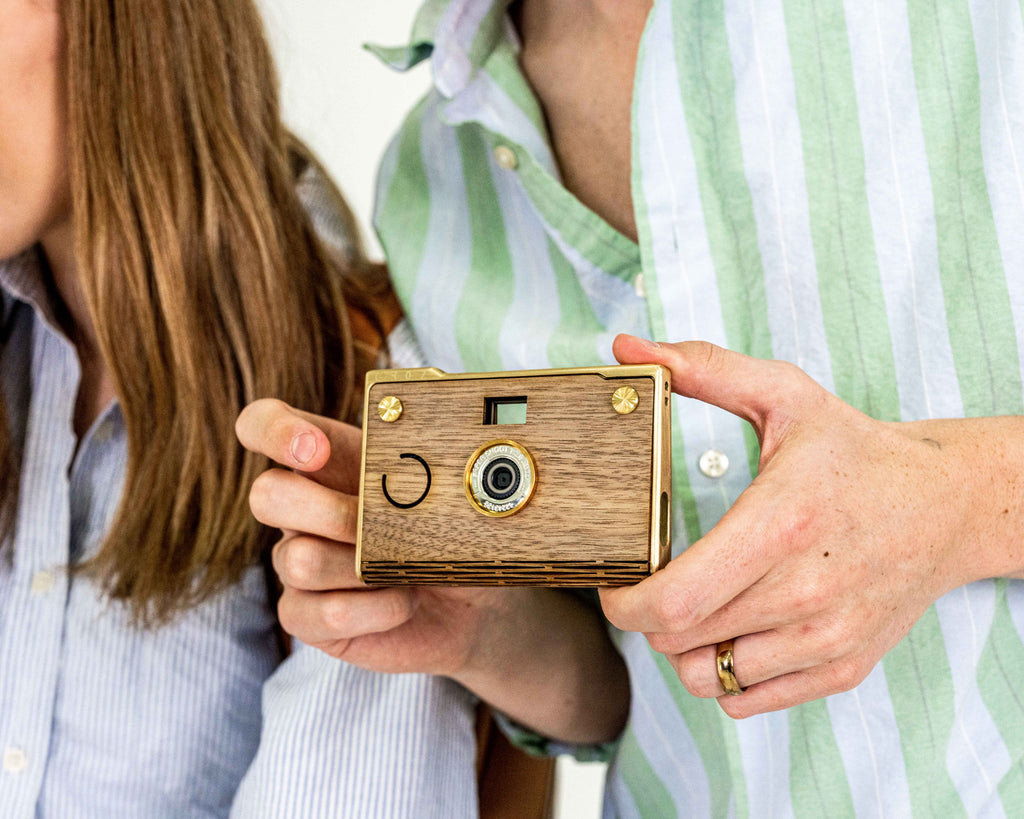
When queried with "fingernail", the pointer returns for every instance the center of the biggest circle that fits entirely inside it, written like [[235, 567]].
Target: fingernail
[[650, 345], [303, 447]]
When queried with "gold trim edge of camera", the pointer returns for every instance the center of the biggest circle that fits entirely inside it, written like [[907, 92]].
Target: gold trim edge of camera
[[661, 473]]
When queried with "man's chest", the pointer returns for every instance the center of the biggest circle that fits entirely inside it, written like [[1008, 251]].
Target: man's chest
[[583, 76]]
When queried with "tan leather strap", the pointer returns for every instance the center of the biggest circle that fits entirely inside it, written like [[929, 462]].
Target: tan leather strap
[[511, 784]]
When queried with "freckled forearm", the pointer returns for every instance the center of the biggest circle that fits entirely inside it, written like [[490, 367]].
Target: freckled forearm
[[983, 472]]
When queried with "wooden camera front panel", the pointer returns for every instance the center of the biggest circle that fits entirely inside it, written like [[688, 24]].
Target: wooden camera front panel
[[597, 456]]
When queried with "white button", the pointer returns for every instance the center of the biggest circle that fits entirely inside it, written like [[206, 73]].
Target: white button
[[15, 760], [506, 157], [42, 582], [638, 286], [713, 463]]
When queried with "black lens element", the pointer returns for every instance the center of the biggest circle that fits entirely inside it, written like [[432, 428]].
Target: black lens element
[[501, 479]]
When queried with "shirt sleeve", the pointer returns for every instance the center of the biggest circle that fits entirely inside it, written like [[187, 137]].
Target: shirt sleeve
[[339, 741], [403, 347], [538, 745]]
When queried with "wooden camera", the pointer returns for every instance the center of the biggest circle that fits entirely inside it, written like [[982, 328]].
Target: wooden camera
[[543, 477]]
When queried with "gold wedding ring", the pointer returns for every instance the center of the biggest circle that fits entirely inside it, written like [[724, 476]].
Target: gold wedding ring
[[726, 672]]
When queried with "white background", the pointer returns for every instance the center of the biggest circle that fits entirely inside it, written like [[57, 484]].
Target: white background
[[338, 97], [346, 105]]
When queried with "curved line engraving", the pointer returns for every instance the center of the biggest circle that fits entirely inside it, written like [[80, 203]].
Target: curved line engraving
[[419, 500]]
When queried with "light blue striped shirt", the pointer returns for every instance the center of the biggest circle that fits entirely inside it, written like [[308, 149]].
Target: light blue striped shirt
[[99, 719]]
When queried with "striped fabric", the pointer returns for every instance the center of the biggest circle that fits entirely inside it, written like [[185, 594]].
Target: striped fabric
[[837, 184], [99, 719]]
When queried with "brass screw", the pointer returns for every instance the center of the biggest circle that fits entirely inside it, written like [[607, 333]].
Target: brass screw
[[625, 400], [389, 409]]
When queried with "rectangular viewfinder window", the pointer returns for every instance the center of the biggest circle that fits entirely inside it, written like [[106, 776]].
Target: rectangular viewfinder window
[[505, 410]]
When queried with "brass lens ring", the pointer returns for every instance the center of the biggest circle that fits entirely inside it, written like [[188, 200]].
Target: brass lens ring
[[500, 478]]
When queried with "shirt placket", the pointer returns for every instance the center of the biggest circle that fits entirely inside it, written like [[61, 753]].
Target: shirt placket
[[606, 263], [711, 464], [36, 606], [518, 146]]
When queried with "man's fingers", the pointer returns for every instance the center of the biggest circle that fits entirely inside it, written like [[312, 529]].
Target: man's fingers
[[761, 657], [747, 387], [325, 449], [793, 689], [274, 429], [314, 564], [695, 585], [333, 618], [287, 500]]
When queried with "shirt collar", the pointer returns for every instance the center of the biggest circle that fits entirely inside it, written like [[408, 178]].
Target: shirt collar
[[22, 279], [458, 37]]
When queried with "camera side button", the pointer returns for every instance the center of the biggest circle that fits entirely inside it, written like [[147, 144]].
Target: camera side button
[[419, 500]]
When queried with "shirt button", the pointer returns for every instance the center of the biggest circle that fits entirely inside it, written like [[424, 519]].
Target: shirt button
[[638, 286], [15, 760], [42, 582], [713, 464], [506, 157]]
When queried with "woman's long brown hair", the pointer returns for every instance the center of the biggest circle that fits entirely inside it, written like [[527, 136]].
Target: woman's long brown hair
[[207, 284]]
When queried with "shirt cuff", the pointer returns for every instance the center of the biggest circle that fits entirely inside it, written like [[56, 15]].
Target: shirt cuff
[[537, 745]]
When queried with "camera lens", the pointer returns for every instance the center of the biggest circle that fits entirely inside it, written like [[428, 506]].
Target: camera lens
[[501, 479]]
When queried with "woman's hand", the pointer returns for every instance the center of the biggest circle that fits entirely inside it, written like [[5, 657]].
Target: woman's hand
[[539, 655]]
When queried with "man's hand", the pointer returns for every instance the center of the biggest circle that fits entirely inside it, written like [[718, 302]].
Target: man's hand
[[851, 529], [532, 653]]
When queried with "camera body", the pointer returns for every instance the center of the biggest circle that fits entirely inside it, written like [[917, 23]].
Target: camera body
[[540, 477]]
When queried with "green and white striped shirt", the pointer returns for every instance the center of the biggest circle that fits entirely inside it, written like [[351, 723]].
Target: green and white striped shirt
[[837, 184]]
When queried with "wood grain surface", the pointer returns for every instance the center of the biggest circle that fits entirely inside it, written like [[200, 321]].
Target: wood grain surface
[[589, 520]]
